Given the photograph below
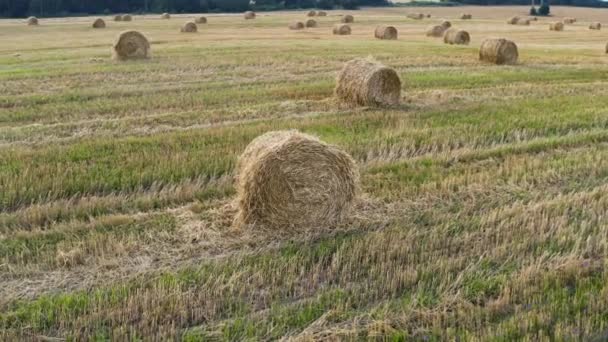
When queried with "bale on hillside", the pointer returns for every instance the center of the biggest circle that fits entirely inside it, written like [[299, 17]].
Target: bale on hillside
[[249, 15], [341, 29], [99, 23], [311, 13], [435, 31], [127, 17], [454, 36], [131, 45], [347, 19], [298, 25], [321, 14], [165, 16], [118, 18], [386, 32], [595, 26], [189, 27], [513, 20], [557, 26], [291, 180], [446, 24], [366, 82], [498, 51], [568, 20], [415, 16], [200, 20], [32, 21], [466, 16], [311, 23]]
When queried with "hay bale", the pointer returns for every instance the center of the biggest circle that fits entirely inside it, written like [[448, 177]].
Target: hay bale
[[523, 21], [534, 19], [311, 23], [341, 29], [513, 20], [249, 15], [165, 16], [569, 20], [606, 48], [118, 18], [99, 23], [366, 82], [466, 16], [446, 24], [131, 45], [459, 37], [386, 32], [415, 16], [291, 180], [347, 19], [498, 51], [32, 21], [311, 13], [200, 20], [428, 15], [557, 26], [595, 26], [127, 17], [189, 27], [321, 14], [298, 25], [435, 31]]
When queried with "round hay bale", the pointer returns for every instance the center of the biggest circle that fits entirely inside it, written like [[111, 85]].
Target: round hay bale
[[513, 20], [32, 21], [366, 82], [446, 24], [131, 45], [347, 19], [321, 14], [341, 29], [386, 32], [298, 25], [311, 13], [189, 27], [165, 16], [311, 23], [459, 37], [291, 180], [99, 23], [557, 26], [523, 22], [200, 20], [498, 51], [127, 17], [428, 15], [534, 19], [569, 20], [435, 31], [415, 16], [466, 16], [249, 15], [606, 48], [118, 18], [595, 26]]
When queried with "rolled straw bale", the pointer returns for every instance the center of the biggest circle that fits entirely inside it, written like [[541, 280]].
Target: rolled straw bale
[[118, 18], [347, 19], [386, 32], [513, 20], [466, 16], [454, 36], [595, 26], [189, 27], [249, 15], [200, 20], [366, 82], [127, 17], [165, 16], [435, 31], [311, 23], [569, 20], [321, 14], [131, 45], [415, 16], [99, 23], [32, 21], [498, 51], [297, 25], [341, 29], [556, 26], [311, 13]]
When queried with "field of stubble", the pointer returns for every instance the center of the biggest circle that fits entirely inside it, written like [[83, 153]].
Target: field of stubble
[[484, 214]]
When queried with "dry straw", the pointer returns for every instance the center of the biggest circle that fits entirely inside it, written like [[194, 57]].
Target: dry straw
[[189, 27], [454, 36], [366, 82], [131, 45], [118, 18], [200, 20], [595, 26], [435, 31], [446, 24], [347, 19], [311, 23], [341, 29], [569, 20], [321, 14], [32, 21], [415, 16], [311, 13], [249, 15], [466, 16], [498, 51], [99, 23], [557, 26], [513, 20], [523, 21], [290, 180], [127, 17], [165, 16], [298, 25], [386, 32]]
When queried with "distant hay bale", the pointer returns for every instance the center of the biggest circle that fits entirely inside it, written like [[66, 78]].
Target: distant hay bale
[[595, 26], [165, 16], [386, 32], [311, 13], [32, 21], [249, 15], [118, 18], [291, 180], [454, 36], [341, 29], [466, 16], [311, 23], [415, 16], [513, 20], [200, 20], [321, 14], [189, 27], [446, 24], [557, 26], [569, 20], [298, 25], [347, 19], [523, 21], [127, 17], [366, 82], [435, 31], [428, 15], [498, 51], [534, 19], [607, 48], [99, 23], [131, 45]]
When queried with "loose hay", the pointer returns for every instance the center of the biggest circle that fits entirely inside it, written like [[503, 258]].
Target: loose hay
[[498, 51], [99, 23], [595, 26], [311, 23], [131, 45], [341, 29], [118, 18], [366, 82], [347, 19], [165, 16], [32, 21], [189, 27], [200, 20], [386, 32], [459, 37], [415, 16], [298, 25], [127, 17], [435, 31], [558, 26], [290, 180], [321, 14], [249, 15], [311, 13], [466, 16]]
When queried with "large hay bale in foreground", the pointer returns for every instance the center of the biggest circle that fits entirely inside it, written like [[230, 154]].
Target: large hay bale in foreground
[[291, 180], [131, 45], [435, 31], [298, 25], [466, 16], [321, 14], [249, 15], [99, 23], [569, 20], [498, 51], [341, 29], [347, 19], [557, 26], [386, 32], [127, 17], [366, 82], [415, 16], [513, 20], [200, 20], [189, 27], [311, 23], [311, 13], [454, 36], [595, 26], [32, 21], [118, 18]]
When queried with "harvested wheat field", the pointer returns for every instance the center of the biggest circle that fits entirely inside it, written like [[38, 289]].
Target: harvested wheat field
[[472, 207]]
